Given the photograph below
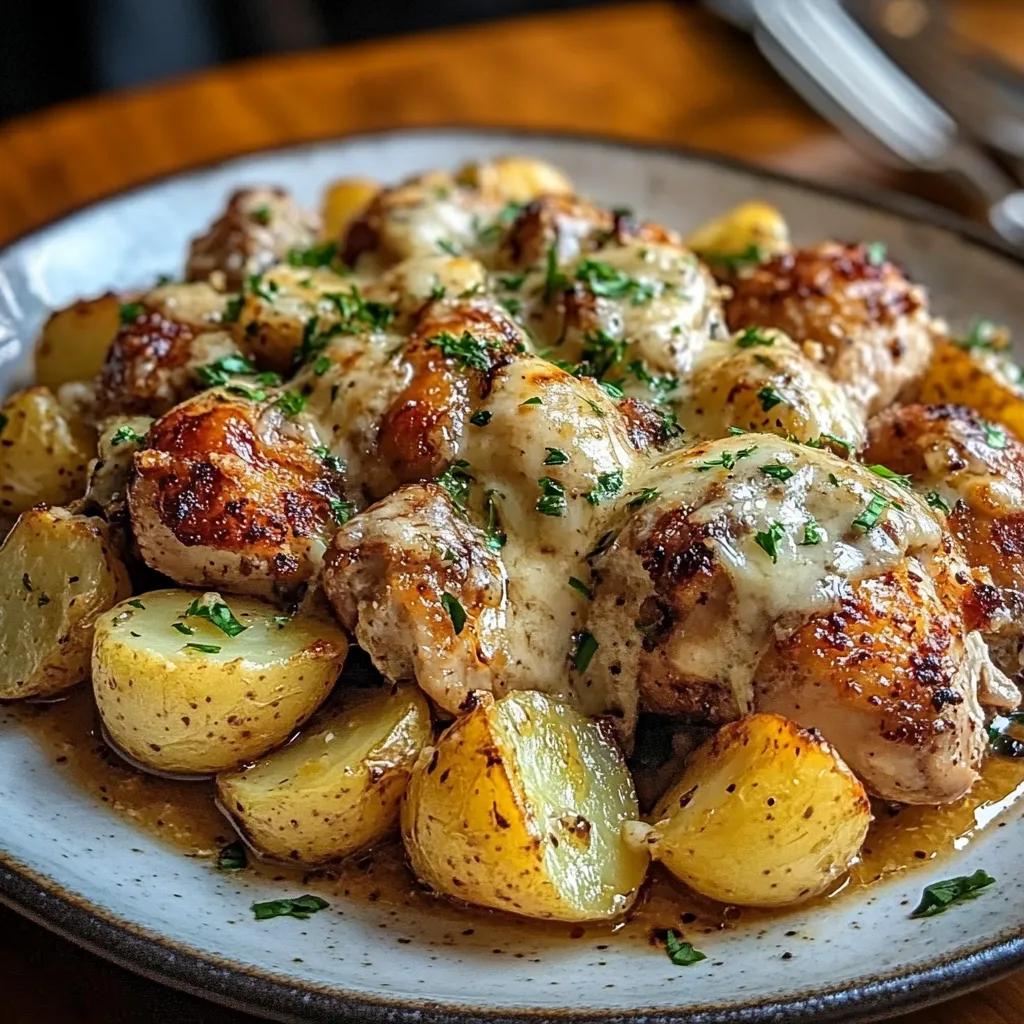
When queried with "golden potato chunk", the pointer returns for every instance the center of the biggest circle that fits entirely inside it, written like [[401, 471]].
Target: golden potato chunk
[[189, 684], [58, 572], [752, 228], [45, 450], [75, 340], [766, 814], [338, 787], [342, 202], [521, 807]]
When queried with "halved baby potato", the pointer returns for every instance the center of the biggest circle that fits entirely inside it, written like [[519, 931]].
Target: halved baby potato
[[75, 340], [521, 806], [45, 450], [342, 202], [337, 787], [58, 572], [766, 814], [751, 227], [179, 695]]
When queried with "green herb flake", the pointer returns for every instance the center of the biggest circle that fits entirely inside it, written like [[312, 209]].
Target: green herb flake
[[456, 481], [301, 908], [554, 280], [291, 403], [495, 538], [727, 459], [446, 245], [456, 612], [511, 282], [232, 309], [468, 351], [769, 397], [940, 896], [682, 954], [219, 372], [754, 336], [777, 470], [555, 457], [341, 511], [232, 857], [936, 501], [872, 513], [586, 647], [581, 588], [903, 479], [281, 620], [217, 613], [323, 255], [768, 540], [536, 400], [126, 435], [812, 533], [876, 253], [984, 334], [608, 485], [480, 418], [260, 214], [182, 628], [321, 366], [643, 497], [136, 603], [131, 311], [202, 648], [552, 501], [737, 260], [995, 437]]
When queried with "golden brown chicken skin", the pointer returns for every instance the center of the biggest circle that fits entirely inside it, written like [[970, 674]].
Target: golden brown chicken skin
[[231, 493], [852, 309]]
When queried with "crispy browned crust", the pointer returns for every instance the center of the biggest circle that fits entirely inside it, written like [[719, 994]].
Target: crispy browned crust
[[256, 230], [146, 367], [842, 299]]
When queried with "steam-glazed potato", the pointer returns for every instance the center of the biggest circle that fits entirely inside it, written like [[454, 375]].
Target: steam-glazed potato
[[179, 694], [58, 571], [748, 229], [338, 787], [983, 379], [521, 807], [75, 340], [45, 450], [766, 814], [343, 201]]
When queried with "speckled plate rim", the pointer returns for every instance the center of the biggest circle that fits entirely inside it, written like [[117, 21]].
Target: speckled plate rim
[[279, 997]]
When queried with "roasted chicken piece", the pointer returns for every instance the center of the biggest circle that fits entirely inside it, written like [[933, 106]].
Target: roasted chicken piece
[[851, 309], [234, 494], [259, 227]]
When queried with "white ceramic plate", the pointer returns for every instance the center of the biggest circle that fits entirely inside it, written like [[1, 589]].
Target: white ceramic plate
[[70, 863]]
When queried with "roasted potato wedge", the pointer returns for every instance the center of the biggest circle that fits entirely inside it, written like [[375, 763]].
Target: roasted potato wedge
[[45, 450], [514, 179], [521, 807], [766, 814], [751, 227], [343, 201], [986, 381], [177, 694], [337, 787], [58, 572], [75, 340]]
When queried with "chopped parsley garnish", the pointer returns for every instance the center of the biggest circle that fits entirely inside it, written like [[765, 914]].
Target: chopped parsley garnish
[[218, 613], [291, 403], [261, 214], [812, 533], [737, 260], [768, 540], [833, 479], [233, 309], [536, 400], [777, 470], [586, 646], [356, 312], [609, 282], [182, 628], [600, 353], [456, 481], [661, 387], [323, 255], [341, 511], [769, 397], [552, 500], [332, 462], [995, 437], [480, 418], [202, 648], [554, 280], [219, 372], [232, 857], [727, 459], [265, 290], [252, 394], [936, 500], [608, 485], [512, 306], [595, 407], [903, 479], [752, 337], [682, 954], [136, 603], [281, 620], [555, 457], [870, 516], [876, 253], [581, 588], [321, 366], [126, 435], [642, 497], [511, 282], [604, 542], [131, 311], [446, 245], [983, 334], [455, 611], [468, 351], [301, 908], [611, 390], [940, 896], [495, 538], [833, 441]]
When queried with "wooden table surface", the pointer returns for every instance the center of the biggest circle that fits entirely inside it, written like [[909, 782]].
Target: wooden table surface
[[648, 71]]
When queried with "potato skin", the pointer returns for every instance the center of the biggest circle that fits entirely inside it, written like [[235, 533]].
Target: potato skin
[[58, 571], [44, 452], [504, 812], [766, 814], [185, 712], [336, 788], [74, 341]]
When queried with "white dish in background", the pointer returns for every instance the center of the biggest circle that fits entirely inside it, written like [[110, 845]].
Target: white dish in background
[[76, 866]]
